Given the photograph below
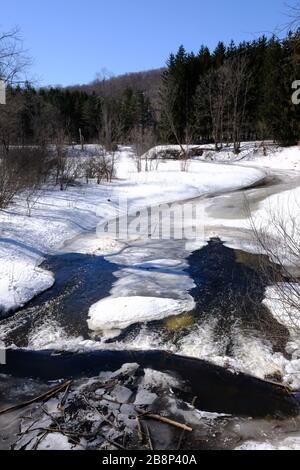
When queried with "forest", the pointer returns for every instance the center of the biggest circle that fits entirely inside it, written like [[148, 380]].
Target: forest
[[232, 94]]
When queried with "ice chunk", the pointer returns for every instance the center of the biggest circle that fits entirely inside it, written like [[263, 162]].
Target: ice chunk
[[119, 313]]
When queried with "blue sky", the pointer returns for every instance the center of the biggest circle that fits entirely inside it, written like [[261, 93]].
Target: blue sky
[[71, 40]]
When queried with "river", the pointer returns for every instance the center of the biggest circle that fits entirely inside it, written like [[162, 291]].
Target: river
[[229, 325]]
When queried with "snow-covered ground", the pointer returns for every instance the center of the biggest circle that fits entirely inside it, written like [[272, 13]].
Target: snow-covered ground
[[151, 284], [61, 216], [251, 154]]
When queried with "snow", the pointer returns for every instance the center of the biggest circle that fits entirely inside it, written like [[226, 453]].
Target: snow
[[59, 217], [56, 441], [119, 313], [289, 443], [20, 281], [150, 285], [251, 154], [279, 218], [282, 300], [276, 158]]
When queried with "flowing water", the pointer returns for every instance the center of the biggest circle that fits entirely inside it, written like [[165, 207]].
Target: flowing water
[[229, 325]]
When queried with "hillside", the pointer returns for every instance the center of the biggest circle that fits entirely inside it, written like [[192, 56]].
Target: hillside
[[148, 81]]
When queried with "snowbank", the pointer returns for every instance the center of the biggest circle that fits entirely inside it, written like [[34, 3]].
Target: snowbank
[[251, 154], [276, 158]]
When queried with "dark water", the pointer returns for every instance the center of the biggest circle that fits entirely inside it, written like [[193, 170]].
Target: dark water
[[229, 290], [80, 281], [230, 287], [216, 389]]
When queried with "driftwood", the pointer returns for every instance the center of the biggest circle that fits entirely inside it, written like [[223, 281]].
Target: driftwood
[[168, 421], [45, 396], [182, 436], [217, 389], [61, 406], [149, 438], [139, 428]]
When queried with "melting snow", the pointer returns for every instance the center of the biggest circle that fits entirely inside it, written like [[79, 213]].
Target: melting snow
[[119, 313]]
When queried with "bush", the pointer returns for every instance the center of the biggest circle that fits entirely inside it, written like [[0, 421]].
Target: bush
[[20, 169]]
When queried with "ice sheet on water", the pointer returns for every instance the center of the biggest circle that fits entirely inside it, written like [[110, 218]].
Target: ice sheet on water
[[119, 313]]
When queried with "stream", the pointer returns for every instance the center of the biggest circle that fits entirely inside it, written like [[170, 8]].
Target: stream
[[229, 326]]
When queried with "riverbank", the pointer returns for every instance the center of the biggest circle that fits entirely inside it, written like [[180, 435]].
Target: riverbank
[[60, 216], [145, 279]]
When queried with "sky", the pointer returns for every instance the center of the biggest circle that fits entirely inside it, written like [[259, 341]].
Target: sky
[[70, 41]]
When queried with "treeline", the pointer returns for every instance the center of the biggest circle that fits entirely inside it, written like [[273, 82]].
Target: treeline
[[235, 93], [239, 92], [34, 116]]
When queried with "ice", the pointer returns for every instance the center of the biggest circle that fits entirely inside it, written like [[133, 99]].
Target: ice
[[289, 443], [145, 398], [56, 441], [121, 394], [59, 216], [119, 313]]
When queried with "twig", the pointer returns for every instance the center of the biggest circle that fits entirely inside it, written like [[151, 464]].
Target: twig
[[140, 431], [28, 429], [41, 438], [182, 435], [149, 437], [171, 422], [124, 439], [51, 417], [61, 406], [114, 443], [107, 421], [45, 397]]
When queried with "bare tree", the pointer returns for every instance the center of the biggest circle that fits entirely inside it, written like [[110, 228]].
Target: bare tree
[[211, 101], [237, 75], [222, 97], [143, 140], [13, 58], [10, 183], [23, 169], [10, 119], [167, 109], [278, 236], [13, 65], [66, 166], [293, 14], [100, 166], [111, 125]]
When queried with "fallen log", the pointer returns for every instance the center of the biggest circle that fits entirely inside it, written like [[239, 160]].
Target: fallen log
[[217, 389]]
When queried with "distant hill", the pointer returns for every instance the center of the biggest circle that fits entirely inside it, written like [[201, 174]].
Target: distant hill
[[148, 81]]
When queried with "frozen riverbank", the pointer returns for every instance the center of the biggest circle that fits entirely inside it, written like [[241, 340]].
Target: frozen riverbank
[[61, 216], [150, 280]]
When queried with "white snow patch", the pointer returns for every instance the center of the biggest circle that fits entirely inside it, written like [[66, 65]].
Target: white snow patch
[[153, 378], [289, 443], [120, 313], [56, 441]]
